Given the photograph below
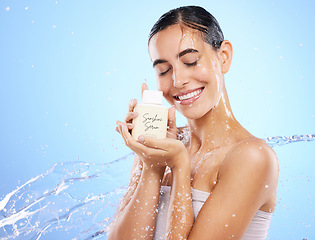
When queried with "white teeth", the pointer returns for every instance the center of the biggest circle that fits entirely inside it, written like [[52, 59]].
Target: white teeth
[[189, 95]]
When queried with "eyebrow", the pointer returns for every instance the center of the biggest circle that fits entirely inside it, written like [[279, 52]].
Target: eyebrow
[[158, 61], [188, 50]]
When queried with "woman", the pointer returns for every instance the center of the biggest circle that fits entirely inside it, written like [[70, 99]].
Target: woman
[[216, 182]]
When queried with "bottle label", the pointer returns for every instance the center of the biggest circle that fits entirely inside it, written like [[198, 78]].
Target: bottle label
[[151, 122]]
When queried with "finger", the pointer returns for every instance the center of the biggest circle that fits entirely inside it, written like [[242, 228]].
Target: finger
[[134, 145], [129, 125], [120, 129], [132, 105], [172, 129], [130, 116], [143, 87]]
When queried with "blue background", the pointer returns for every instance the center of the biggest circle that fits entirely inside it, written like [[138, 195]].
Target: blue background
[[69, 68]]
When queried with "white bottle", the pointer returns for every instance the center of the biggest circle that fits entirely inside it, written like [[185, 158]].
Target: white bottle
[[152, 116]]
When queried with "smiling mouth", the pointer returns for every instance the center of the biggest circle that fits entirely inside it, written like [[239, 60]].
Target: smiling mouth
[[188, 96]]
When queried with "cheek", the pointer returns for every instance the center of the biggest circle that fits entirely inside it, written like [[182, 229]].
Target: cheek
[[205, 74], [160, 85], [164, 86], [213, 79], [209, 73]]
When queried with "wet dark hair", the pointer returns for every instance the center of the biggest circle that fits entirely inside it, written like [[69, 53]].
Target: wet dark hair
[[193, 17]]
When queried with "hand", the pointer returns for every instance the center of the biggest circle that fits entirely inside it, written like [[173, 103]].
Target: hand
[[155, 152]]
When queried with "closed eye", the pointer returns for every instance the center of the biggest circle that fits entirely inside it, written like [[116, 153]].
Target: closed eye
[[163, 73], [191, 64]]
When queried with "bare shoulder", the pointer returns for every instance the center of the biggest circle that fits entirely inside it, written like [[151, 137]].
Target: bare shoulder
[[254, 165], [252, 151], [252, 155]]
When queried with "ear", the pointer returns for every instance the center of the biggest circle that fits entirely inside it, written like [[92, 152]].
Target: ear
[[226, 54]]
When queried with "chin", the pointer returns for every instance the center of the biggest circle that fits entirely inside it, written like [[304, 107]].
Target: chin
[[195, 113]]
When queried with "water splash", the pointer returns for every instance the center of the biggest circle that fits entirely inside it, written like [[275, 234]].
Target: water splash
[[75, 200], [282, 140]]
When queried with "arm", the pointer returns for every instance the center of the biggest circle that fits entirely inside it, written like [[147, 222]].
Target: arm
[[135, 175], [239, 193], [180, 215], [136, 217]]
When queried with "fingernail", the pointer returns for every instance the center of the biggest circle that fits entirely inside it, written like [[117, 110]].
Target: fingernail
[[141, 139]]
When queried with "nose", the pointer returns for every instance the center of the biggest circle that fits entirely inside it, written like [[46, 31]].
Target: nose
[[179, 79]]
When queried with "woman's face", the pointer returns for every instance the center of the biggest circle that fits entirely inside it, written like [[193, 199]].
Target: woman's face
[[188, 70]]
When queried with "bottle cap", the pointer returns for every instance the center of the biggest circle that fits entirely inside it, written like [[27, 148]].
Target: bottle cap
[[152, 97]]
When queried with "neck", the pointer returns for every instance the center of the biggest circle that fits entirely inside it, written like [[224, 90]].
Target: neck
[[217, 128]]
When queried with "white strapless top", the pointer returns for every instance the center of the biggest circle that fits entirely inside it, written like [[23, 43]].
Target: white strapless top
[[257, 230]]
